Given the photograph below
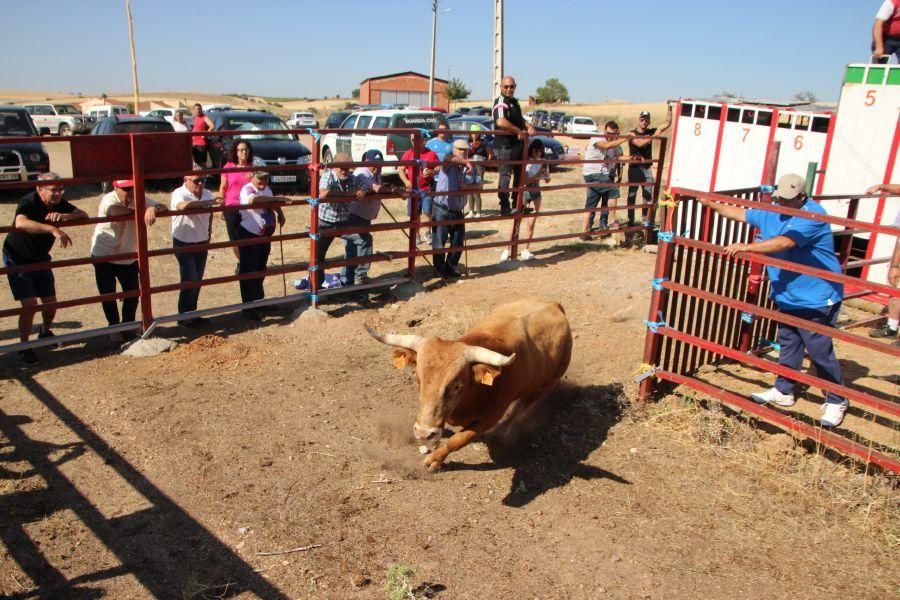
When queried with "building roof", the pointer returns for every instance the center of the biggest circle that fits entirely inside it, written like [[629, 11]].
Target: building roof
[[392, 75]]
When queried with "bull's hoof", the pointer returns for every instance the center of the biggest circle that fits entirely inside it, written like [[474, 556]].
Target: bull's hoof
[[433, 462]]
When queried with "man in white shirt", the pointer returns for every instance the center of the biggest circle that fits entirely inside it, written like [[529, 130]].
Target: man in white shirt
[[188, 230], [604, 147]]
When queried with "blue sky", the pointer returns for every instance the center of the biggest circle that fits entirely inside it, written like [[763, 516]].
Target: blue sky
[[640, 51]]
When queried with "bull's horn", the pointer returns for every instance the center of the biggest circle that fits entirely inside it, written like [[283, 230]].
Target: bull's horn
[[477, 354], [412, 342]]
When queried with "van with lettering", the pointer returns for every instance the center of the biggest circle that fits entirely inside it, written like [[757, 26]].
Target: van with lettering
[[360, 134]]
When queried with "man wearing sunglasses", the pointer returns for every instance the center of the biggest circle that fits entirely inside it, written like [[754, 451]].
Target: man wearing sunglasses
[[809, 243], [508, 146], [191, 230], [35, 221]]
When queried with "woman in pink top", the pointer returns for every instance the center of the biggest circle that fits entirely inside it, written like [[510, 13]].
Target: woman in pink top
[[240, 155], [201, 123]]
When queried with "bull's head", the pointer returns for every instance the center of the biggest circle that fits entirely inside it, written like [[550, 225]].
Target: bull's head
[[445, 373]]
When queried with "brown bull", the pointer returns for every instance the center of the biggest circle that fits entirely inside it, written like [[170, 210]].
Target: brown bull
[[504, 365]]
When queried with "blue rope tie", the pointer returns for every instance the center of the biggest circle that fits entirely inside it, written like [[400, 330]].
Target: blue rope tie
[[313, 236], [316, 135], [313, 268], [313, 201], [654, 326], [746, 317], [767, 189], [774, 345], [425, 132], [313, 298], [665, 236], [658, 283]]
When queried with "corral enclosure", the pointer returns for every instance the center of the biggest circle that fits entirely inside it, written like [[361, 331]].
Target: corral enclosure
[[176, 476]]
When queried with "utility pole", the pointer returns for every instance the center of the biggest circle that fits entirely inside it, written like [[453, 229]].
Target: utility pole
[[133, 58], [434, 4], [497, 73]]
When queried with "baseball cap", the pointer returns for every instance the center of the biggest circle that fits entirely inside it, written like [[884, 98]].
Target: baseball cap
[[644, 115], [790, 186], [373, 156], [124, 183], [461, 145]]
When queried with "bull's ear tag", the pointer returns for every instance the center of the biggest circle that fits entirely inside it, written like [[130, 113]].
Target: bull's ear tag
[[403, 358], [485, 374]]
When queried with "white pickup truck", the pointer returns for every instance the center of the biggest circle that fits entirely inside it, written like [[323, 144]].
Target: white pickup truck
[[60, 119]]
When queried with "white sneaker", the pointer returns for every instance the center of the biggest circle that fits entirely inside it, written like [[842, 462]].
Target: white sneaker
[[773, 396], [470, 214], [833, 413], [478, 215], [526, 255], [504, 255]]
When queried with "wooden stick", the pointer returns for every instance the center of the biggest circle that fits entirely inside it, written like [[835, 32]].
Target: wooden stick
[[133, 59], [300, 549]]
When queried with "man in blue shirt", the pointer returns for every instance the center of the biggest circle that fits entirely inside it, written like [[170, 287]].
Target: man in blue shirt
[[447, 207], [810, 243], [442, 143]]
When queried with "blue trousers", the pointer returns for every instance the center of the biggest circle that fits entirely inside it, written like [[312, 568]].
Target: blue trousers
[[191, 266], [356, 245], [456, 234], [599, 196], [820, 348]]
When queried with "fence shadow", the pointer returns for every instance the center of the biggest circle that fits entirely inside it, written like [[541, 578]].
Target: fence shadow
[[162, 546], [575, 424]]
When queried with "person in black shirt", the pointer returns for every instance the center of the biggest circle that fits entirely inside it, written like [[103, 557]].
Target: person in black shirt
[[30, 243], [508, 117], [641, 169]]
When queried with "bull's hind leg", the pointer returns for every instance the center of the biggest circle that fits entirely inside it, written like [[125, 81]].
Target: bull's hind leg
[[531, 415]]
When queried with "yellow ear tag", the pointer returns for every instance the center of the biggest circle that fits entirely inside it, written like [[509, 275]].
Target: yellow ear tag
[[487, 378]]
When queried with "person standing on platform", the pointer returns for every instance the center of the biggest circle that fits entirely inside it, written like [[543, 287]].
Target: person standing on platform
[[886, 32], [508, 145]]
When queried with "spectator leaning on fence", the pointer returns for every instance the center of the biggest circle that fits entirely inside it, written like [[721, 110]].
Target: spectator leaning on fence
[[191, 230], [240, 155], [30, 243], [337, 183], [508, 146], [640, 169], [809, 243], [449, 208], [893, 308], [599, 175], [886, 31], [534, 173], [258, 219], [362, 213], [429, 166], [119, 237], [478, 151]]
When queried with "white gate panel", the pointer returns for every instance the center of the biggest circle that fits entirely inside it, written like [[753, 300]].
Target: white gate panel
[[742, 155], [695, 147]]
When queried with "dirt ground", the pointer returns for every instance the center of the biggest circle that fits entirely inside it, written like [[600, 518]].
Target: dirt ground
[[277, 461]]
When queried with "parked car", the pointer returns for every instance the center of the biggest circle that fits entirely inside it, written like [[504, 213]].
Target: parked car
[[20, 161], [553, 150], [479, 111], [99, 111], [269, 149], [582, 125], [564, 123], [392, 146], [300, 120], [463, 110], [167, 114], [555, 118], [60, 119], [336, 118], [133, 124]]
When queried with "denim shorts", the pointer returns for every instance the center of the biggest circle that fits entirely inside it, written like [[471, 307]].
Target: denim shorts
[[31, 284], [425, 205]]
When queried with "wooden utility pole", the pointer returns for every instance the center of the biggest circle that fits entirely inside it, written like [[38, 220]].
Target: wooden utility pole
[[497, 72], [133, 59]]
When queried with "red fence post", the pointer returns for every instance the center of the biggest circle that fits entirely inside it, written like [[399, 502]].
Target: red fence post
[[314, 166], [658, 300], [140, 206]]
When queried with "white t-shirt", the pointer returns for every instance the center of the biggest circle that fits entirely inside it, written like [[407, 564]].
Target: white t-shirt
[[594, 153], [118, 237], [255, 219], [886, 11], [179, 127], [190, 229]]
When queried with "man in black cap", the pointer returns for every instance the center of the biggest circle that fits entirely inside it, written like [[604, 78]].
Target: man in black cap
[[508, 146], [36, 231], [641, 169]]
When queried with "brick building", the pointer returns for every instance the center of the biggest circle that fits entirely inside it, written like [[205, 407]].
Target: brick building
[[409, 88]]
